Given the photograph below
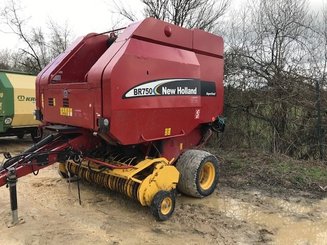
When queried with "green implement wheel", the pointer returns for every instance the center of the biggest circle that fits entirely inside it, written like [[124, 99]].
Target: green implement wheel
[[199, 173], [20, 135], [37, 134]]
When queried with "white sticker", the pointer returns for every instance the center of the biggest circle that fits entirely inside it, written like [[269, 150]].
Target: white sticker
[[197, 113]]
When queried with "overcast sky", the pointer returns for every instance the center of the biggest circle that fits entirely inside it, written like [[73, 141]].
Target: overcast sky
[[82, 16]]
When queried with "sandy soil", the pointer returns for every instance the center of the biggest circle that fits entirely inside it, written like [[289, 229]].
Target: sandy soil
[[52, 215]]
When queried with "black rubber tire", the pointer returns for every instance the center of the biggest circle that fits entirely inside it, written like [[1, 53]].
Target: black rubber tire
[[189, 165], [37, 134], [20, 135], [156, 208]]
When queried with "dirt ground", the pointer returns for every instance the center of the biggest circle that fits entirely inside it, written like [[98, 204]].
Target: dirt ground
[[52, 215]]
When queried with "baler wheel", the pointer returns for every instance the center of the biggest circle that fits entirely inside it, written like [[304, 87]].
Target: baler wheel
[[163, 205], [199, 173]]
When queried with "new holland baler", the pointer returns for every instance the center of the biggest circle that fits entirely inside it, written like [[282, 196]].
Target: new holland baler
[[128, 110]]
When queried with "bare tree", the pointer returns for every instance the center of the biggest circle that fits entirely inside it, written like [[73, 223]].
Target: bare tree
[[38, 48], [5, 59], [202, 14], [10, 16], [59, 38], [266, 58], [317, 70]]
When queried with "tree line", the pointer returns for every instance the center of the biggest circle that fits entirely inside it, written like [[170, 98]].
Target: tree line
[[275, 65], [275, 77]]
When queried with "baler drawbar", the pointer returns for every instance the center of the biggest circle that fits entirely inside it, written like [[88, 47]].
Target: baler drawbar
[[129, 112]]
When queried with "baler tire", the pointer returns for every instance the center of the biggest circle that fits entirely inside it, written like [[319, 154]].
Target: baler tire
[[199, 173], [163, 205]]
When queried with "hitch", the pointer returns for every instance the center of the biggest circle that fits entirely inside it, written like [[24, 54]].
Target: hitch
[[12, 185], [51, 149]]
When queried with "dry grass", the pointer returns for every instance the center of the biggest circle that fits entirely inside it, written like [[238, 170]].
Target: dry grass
[[273, 172]]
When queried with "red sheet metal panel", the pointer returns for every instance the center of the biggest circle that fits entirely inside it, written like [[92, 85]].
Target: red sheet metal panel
[[208, 43], [156, 81], [157, 31]]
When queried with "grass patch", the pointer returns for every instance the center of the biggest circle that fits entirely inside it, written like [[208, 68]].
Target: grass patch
[[239, 168]]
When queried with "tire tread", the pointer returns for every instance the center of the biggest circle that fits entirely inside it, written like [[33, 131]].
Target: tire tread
[[188, 165]]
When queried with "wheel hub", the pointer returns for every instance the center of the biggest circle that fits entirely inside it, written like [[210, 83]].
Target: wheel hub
[[166, 205], [207, 175]]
